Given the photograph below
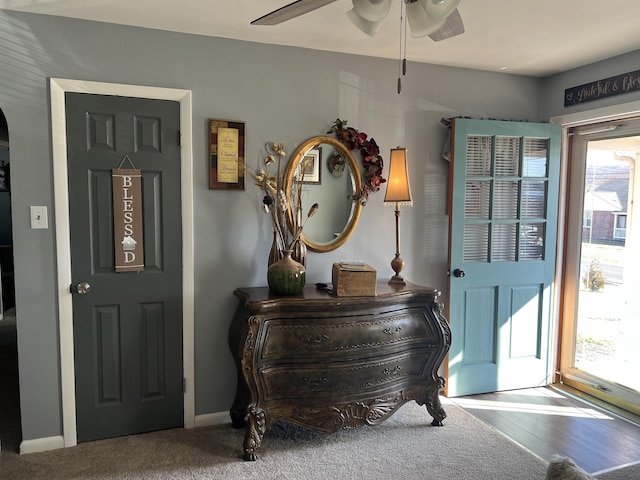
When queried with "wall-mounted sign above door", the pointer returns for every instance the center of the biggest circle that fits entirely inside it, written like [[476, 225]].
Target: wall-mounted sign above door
[[127, 219], [607, 87]]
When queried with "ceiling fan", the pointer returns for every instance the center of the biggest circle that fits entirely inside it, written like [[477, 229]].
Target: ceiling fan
[[440, 19]]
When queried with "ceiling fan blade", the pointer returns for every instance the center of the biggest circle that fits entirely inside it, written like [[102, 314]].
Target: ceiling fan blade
[[452, 27], [293, 10]]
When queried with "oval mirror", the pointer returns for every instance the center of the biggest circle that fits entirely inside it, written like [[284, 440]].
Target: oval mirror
[[323, 171]]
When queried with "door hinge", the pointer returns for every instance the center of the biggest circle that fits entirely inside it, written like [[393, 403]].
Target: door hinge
[[179, 138], [184, 385]]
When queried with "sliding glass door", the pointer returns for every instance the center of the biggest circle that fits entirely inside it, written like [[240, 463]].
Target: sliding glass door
[[601, 325]]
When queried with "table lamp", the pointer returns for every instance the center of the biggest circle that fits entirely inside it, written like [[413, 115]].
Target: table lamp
[[398, 193]]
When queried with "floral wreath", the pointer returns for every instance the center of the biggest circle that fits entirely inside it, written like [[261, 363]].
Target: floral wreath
[[370, 153]]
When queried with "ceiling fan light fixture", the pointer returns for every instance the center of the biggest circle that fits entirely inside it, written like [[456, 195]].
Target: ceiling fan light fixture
[[368, 27], [439, 10], [419, 23], [372, 10], [452, 27]]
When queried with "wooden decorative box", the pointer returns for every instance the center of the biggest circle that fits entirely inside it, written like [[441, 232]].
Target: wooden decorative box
[[353, 280]]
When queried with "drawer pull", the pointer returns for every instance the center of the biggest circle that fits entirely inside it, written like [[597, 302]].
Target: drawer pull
[[314, 338], [392, 371], [314, 381], [392, 331]]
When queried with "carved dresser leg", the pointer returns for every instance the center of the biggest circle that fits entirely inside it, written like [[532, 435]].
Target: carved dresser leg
[[434, 407], [255, 431]]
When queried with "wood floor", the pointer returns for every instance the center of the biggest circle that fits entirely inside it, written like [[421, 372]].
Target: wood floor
[[550, 420]]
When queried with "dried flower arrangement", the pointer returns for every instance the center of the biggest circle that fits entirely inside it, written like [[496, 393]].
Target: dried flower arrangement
[[369, 152], [275, 202]]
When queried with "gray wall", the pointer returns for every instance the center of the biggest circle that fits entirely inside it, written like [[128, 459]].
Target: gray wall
[[283, 94]]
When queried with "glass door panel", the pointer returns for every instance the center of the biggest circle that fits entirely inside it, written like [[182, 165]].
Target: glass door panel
[[601, 329], [606, 346]]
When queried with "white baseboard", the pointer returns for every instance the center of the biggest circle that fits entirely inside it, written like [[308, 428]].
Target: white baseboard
[[53, 443], [41, 444], [209, 419]]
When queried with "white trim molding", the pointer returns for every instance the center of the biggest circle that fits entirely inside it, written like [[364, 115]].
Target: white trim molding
[[615, 112], [41, 444], [58, 88], [210, 419]]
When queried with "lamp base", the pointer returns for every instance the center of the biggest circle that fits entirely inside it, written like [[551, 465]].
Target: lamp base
[[397, 264]]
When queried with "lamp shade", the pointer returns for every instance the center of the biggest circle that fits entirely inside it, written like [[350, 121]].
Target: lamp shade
[[398, 187]]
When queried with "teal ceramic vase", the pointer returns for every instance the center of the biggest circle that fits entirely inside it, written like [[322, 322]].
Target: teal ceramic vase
[[286, 276]]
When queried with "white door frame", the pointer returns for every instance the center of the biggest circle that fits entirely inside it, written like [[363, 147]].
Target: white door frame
[[58, 88], [615, 112]]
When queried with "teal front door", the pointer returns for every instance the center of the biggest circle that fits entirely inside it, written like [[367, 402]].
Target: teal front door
[[502, 250]]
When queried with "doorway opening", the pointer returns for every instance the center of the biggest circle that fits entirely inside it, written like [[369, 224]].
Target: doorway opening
[[10, 425], [7, 298], [603, 244]]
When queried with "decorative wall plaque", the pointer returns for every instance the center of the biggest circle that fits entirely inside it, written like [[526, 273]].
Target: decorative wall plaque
[[226, 154], [607, 87]]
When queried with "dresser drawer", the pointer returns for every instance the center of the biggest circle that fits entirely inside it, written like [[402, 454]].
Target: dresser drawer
[[352, 336], [313, 382]]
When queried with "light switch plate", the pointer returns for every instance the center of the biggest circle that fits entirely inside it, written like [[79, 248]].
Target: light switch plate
[[39, 218]]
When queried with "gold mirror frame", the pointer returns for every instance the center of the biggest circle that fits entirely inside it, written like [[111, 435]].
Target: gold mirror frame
[[295, 159]]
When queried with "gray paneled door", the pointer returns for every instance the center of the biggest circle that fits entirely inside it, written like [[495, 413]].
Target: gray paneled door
[[128, 327]]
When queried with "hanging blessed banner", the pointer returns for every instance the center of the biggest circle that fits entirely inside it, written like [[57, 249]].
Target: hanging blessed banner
[[127, 219]]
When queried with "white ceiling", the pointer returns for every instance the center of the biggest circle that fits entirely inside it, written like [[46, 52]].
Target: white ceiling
[[527, 37]]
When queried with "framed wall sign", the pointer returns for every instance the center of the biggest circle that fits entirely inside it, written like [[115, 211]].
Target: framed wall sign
[[226, 154], [607, 87]]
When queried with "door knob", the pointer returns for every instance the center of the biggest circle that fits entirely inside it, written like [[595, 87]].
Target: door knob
[[83, 288], [458, 273]]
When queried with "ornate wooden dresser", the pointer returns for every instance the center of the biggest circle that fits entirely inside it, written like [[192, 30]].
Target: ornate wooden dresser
[[326, 362]]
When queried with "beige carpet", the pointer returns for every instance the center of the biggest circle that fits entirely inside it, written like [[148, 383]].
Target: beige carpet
[[406, 446]]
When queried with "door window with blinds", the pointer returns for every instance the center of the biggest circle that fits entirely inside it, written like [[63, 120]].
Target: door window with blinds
[[505, 198]]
